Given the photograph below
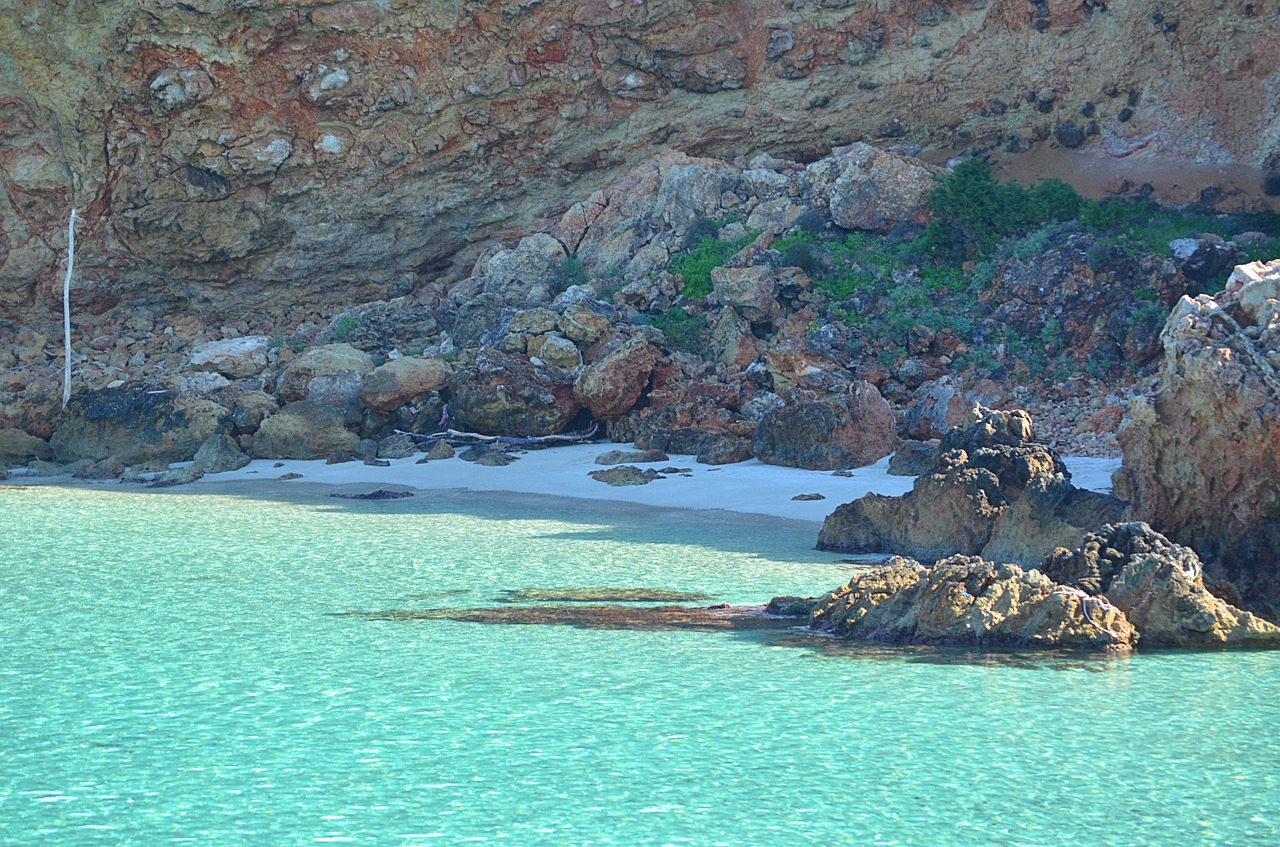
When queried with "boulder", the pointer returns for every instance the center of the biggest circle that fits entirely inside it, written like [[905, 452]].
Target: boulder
[[992, 491], [399, 446], [391, 385], [109, 468], [1159, 587], [501, 394], [879, 190], [751, 292], [555, 351], [913, 458], [383, 326], [847, 431], [305, 429], [135, 425], [612, 385], [1200, 459], [941, 404], [622, 457], [18, 448], [235, 358], [220, 453], [964, 600], [252, 407], [336, 365]]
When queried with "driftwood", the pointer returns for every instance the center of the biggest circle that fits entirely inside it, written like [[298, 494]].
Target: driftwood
[[456, 437]]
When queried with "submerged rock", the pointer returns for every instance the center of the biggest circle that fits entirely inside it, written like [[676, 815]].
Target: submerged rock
[[379, 494], [586, 616], [598, 595], [964, 600]]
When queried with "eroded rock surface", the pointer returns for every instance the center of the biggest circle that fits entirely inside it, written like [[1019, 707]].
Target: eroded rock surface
[[964, 600], [1200, 457], [992, 491]]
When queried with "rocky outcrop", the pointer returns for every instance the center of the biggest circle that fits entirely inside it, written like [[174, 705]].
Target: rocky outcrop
[[218, 455], [992, 491], [18, 448], [964, 600], [500, 394], [326, 370], [135, 424], [306, 429], [1159, 587], [391, 385], [251, 156], [610, 387], [1200, 458], [847, 431]]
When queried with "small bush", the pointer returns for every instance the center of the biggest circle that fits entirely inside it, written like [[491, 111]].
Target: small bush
[[695, 267], [346, 325], [683, 331]]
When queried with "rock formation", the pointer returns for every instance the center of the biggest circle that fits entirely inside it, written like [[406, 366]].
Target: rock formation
[[1200, 455], [992, 492], [964, 600], [230, 156]]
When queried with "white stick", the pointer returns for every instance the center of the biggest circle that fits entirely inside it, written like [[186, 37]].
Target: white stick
[[66, 310]]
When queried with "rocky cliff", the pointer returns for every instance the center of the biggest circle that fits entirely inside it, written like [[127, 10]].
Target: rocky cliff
[[236, 156]]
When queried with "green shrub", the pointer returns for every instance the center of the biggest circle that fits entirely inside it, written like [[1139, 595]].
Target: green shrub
[[695, 267], [346, 325], [571, 274], [682, 330]]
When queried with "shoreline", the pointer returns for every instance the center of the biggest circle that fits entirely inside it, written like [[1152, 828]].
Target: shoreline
[[749, 488]]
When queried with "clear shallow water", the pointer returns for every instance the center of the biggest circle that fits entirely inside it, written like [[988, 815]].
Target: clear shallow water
[[172, 671]]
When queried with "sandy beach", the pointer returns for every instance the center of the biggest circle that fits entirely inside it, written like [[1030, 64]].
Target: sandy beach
[[748, 487]]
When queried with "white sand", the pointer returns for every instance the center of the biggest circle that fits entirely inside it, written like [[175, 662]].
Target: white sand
[[749, 487]]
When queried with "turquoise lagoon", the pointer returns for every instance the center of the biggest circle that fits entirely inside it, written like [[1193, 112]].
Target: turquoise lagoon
[[175, 669]]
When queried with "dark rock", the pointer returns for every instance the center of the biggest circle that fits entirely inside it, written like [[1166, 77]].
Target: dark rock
[[306, 429], [396, 447], [106, 469], [725, 450], [377, 463], [218, 454], [379, 494], [135, 425], [598, 595], [913, 458], [790, 607], [625, 475], [846, 432], [622, 457], [809, 497], [500, 394], [585, 616]]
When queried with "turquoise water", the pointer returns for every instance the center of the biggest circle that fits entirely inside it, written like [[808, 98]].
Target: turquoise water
[[172, 671]]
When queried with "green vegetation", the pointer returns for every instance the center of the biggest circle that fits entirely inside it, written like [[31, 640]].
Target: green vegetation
[[346, 325], [571, 274], [704, 256], [683, 331]]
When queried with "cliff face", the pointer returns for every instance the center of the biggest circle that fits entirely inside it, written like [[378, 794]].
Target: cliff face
[[235, 156]]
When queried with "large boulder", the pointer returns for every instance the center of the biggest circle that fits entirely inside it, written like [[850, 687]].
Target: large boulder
[[1201, 463], [391, 385], [878, 190], [235, 358], [1159, 587], [136, 425], [967, 601], [501, 394], [992, 491], [846, 431], [219, 454], [338, 367], [18, 448], [612, 385], [306, 429]]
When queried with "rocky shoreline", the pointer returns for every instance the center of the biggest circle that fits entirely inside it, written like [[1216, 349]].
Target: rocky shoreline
[[756, 310]]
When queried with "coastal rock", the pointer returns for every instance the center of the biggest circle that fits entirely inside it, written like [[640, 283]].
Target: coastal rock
[[251, 409], [611, 386], [18, 448], [992, 491], [501, 394], [395, 383], [849, 431], [220, 453], [441, 450], [964, 600], [625, 475], [399, 446], [234, 358], [1159, 587], [1200, 460], [110, 468], [384, 325], [751, 292], [337, 366], [136, 425], [305, 429], [941, 404]]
